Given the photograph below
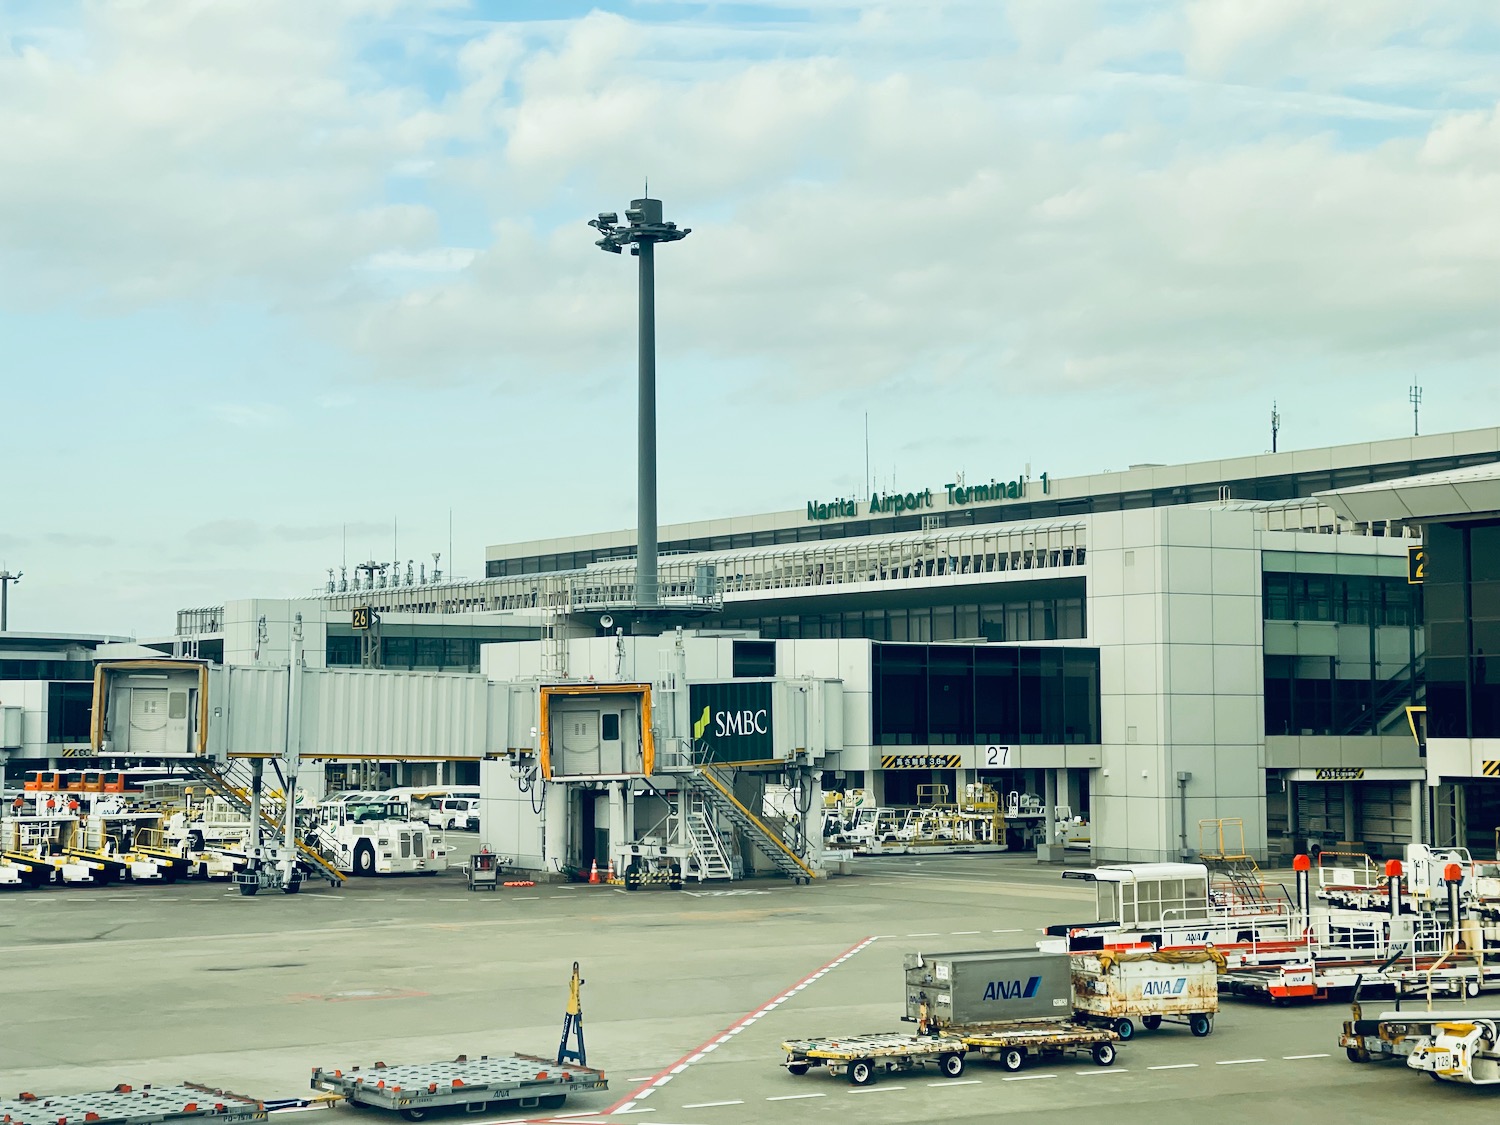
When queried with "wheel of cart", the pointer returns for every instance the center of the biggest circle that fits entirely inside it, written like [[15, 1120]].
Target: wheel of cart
[[1124, 1028], [1012, 1058], [1150, 1023], [951, 1064], [862, 1072], [1104, 1054], [1200, 1024]]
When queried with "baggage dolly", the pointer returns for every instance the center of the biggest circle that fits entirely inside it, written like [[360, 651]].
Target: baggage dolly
[[127, 1105], [474, 1085], [862, 1057], [1011, 1045]]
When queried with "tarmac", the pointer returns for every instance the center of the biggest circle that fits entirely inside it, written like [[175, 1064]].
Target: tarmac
[[688, 997]]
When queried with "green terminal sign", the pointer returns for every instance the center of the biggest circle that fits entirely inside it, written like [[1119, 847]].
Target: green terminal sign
[[897, 503], [732, 721]]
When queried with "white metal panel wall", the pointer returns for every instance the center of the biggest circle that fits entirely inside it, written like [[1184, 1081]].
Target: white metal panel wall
[[248, 706], [387, 715]]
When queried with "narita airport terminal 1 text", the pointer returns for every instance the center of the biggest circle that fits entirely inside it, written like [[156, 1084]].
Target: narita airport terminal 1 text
[[897, 502]]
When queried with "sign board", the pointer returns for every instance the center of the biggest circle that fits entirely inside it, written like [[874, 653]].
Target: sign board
[[921, 761], [1340, 773], [363, 617], [733, 722], [995, 758], [1416, 564]]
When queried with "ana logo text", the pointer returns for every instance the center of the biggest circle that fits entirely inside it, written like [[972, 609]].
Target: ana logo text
[[1165, 987], [1012, 989]]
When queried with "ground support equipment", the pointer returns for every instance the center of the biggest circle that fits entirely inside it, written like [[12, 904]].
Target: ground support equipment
[[484, 871], [126, 1105], [862, 1057], [1120, 989], [475, 1085], [1452, 975], [640, 875], [1012, 1045]]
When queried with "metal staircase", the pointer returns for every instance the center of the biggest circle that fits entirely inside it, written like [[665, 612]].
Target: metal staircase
[[708, 849], [219, 781], [706, 783]]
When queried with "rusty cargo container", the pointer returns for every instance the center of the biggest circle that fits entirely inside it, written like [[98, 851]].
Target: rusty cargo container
[[992, 986], [1123, 990]]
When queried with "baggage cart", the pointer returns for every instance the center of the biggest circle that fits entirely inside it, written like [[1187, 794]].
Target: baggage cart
[[862, 1057], [1121, 989], [484, 871], [988, 987], [1012, 1044], [475, 1085]]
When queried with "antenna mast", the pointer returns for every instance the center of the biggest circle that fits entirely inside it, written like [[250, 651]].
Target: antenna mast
[[1415, 394]]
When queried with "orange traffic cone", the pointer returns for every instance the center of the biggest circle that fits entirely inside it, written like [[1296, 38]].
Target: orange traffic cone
[[594, 873], [610, 877]]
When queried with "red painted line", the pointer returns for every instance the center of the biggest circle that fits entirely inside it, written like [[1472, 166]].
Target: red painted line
[[741, 1022]]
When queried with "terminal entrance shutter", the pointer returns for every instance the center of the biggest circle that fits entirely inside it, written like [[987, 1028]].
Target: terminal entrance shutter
[[1384, 814], [1320, 810]]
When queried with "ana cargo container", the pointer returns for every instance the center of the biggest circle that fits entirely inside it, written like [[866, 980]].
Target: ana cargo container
[[1118, 989], [994, 986]]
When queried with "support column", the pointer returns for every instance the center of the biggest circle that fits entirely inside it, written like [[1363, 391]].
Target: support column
[[1418, 795], [1045, 850], [1349, 824], [617, 836], [257, 771]]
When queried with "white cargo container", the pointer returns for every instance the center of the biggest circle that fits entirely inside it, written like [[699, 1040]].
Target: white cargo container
[[1118, 989]]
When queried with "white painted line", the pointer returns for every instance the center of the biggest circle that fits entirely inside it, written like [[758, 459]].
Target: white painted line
[[620, 1111], [663, 1080], [1237, 1062], [646, 1093], [1103, 1070], [679, 1068], [709, 1105], [794, 1097], [878, 1090], [957, 1082], [1175, 1066], [582, 1113], [1027, 1077], [964, 933], [1005, 931], [925, 935], [646, 1078], [1304, 1056]]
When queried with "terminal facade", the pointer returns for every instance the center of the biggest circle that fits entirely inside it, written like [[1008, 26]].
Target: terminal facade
[[1214, 643]]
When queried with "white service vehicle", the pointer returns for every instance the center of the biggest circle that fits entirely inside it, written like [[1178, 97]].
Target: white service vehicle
[[375, 834], [461, 813], [1463, 1048]]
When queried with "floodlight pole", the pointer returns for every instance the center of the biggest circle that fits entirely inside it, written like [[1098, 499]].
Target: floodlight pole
[[6, 578], [647, 587], [643, 230]]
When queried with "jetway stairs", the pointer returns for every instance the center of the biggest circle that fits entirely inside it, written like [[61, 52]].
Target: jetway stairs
[[229, 783], [708, 849], [717, 793]]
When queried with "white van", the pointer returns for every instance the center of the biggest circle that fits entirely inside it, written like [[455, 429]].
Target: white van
[[455, 812]]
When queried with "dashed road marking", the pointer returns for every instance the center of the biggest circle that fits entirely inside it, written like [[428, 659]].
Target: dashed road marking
[[1237, 1062], [878, 1090], [1102, 1070], [710, 1105], [956, 1082], [925, 935], [1291, 1057], [964, 933], [1026, 1077], [794, 1097], [1174, 1066], [1006, 931]]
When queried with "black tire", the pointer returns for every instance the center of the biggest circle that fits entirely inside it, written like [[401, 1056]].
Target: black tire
[[292, 888], [797, 1068], [1150, 1023], [1124, 1029], [1357, 1054], [364, 865], [861, 1072], [249, 888], [1104, 1054], [552, 1101], [1200, 1025], [1012, 1059], [952, 1065], [414, 1114]]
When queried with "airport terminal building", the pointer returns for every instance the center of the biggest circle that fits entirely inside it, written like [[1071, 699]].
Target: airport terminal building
[[1154, 648]]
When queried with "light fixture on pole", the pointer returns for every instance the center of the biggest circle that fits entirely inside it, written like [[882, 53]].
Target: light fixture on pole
[[642, 230]]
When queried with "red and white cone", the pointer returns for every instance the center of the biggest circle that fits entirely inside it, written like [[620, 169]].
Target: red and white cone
[[610, 877], [594, 873]]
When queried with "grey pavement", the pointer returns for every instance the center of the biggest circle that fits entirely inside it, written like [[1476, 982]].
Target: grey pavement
[[194, 982]]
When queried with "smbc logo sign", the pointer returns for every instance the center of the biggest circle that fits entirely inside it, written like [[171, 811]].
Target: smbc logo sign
[[732, 722]]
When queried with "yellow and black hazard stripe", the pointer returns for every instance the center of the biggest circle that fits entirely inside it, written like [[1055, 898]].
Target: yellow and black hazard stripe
[[1490, 769], [921, 761]]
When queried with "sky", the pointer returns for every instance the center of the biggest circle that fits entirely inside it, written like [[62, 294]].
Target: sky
[[285, 285]]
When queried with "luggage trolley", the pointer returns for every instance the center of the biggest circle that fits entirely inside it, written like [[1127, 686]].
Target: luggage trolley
[[484, 871]]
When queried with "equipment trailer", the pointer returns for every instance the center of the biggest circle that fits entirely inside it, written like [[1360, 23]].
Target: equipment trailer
[[862, 1057], [125, 1105], [475, 1085], [1011, 1045]]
